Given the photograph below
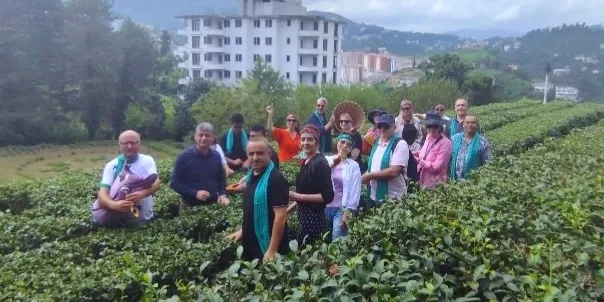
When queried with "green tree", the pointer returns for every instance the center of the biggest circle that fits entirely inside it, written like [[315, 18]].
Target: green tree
[[447, 66], [480, 89]]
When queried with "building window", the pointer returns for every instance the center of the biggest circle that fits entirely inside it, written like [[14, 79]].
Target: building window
[[324, 78], [287, 73], [227, 41], [335, 46], [196, 58], [227, 57], [207, 40], [301, 25], [315, 44], [287, 58], [257, 23], [207, 73], [238, 74], [335, 77], [207, 57], [256, 40], [324, 44], [289, 40], [325, 27], [256, 58], [238, 23], [301, 61], [335, 62], [314, 78], [289, 23], [207, 22], [335, 30], [300, 78], [227, 74], [314, 61], [238, 57], [268, 58], [238, 40], [316, 26], [195, 25], [227, 23], [301, 43], [195, 41], [324, 61], [196, 73], [219, 59], [268, 23], [268, 41], [219, 42]]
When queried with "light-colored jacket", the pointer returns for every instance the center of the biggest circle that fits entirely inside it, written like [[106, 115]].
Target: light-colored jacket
[[398, 122], [351, 182]]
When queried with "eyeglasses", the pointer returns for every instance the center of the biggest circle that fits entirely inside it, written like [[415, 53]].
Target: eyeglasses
[[133, 143], [345, 121], [320, 106], [440, 109], [383, 126], [291, 120]]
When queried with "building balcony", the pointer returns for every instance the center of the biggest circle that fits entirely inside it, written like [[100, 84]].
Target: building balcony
[[309, 33], [209, 31], [212, 66], [308, 68], [309, 51], [212, 48]]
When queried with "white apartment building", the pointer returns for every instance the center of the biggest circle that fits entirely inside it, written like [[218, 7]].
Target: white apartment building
[[305, 49]]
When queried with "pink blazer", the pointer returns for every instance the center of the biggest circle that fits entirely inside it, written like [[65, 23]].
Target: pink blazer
[[434, 161]]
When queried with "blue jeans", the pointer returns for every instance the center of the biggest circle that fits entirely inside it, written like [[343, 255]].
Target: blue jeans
[[334, 221]]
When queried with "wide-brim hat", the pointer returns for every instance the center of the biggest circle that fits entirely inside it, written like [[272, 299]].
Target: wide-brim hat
[[433, 118], [356, 113], [375, 112]]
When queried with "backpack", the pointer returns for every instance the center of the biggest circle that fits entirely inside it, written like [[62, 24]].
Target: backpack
[[412, 174]]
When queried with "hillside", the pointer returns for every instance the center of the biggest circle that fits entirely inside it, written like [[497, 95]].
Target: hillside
[[358, 37]]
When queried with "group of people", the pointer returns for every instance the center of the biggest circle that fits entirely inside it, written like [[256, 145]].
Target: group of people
[[428, 148]]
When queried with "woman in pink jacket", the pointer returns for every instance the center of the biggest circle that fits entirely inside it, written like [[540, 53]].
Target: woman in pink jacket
[[434, 158]]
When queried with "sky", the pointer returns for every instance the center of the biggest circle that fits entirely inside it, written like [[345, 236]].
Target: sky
[[441, 16]]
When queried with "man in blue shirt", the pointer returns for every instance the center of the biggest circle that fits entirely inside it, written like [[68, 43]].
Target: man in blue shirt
[[198, 174]]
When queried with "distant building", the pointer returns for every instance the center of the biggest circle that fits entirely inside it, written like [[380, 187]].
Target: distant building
[[560, 71], [513, 66], [567, 93], [304, 48]]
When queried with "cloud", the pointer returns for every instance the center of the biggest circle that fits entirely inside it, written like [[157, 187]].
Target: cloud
[[449, 15]]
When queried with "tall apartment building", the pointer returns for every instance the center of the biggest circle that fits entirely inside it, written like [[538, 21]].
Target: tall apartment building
[[305, 49]]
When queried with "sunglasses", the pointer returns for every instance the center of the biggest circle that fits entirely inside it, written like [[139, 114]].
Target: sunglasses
[[405, 108], [345, 121], [432, 126], [383, 126], [291, 120], [440, 109]]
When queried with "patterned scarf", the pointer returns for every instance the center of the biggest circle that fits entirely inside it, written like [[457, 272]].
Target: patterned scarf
[[261, 226], [229, 140], [121, 162], [471, 160], [382, 185], [454, 126], [324, 137]]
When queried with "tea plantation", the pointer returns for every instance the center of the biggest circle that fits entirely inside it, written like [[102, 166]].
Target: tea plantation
[[527, 227]]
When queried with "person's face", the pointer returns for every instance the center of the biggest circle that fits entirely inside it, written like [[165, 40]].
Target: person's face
[[470, 125], [406, 109], [204, 139], [292, 122], [321, 106], [433, 130], [259, 155], [255, 135], [129, 145], [386, 130], [308, 143], [440, 110], [237, 125], [344, 146], [346, 122], [461, 107]]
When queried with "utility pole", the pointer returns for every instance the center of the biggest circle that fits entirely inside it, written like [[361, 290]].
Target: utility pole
[[548, 70]]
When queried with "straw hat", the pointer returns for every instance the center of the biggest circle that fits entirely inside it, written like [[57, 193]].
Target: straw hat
[[356, 113]]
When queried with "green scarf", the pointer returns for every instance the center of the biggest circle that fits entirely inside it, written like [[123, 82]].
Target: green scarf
[[382, 185], [323, 136], [121, 162], [471, 161], [229, 140], [261, 208], [454, 126]]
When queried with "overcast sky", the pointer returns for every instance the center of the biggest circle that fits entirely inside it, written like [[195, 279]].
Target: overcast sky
[[450, 15]]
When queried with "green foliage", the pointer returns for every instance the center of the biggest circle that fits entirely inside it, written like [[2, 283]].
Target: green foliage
[[447, 66], [507, 86], [480, 89]]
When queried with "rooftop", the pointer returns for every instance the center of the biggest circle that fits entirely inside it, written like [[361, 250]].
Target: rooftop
[[282, 17]]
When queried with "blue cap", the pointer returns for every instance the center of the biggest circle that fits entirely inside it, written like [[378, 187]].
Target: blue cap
[[385, 118]]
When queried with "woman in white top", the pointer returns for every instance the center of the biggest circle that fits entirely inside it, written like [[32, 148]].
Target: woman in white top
[[408, 127], [346, 179]]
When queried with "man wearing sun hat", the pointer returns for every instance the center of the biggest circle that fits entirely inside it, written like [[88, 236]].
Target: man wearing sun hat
[[387, 164]]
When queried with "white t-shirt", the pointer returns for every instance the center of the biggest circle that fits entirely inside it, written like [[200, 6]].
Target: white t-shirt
[[397, 187], [143, 167], [219, 150]]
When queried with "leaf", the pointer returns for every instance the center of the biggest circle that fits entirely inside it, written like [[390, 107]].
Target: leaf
[[293, 246], [204, 265], [490, 295], [303, 275], [448, 240]]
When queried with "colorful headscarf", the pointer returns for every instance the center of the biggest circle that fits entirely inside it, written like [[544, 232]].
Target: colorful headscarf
[[345, 136], [312, 130]]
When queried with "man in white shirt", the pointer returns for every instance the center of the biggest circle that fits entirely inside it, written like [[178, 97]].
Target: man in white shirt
[[387, 165], [138, 164]]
